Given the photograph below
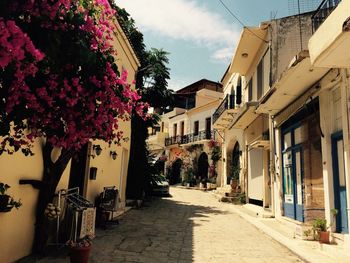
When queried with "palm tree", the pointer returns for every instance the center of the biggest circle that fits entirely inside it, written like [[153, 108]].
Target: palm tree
[[156, 78], [152, 80]]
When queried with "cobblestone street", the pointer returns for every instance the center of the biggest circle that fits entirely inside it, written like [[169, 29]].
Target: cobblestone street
[[190, 226]]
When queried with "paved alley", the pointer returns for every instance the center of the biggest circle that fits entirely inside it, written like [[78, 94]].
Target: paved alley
[[190, 226]]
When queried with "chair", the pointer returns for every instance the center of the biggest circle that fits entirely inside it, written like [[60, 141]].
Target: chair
[[108, 204]]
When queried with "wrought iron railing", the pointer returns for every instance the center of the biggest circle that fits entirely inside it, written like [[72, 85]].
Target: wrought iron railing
[[323, 11], [188, 138], [227, 103]]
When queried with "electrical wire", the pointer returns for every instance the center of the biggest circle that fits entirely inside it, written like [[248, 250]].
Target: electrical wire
[[239, 21]]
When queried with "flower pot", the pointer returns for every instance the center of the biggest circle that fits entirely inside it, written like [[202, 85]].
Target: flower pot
[[234, 184], [324, 237], [80, 254], [4, 201]]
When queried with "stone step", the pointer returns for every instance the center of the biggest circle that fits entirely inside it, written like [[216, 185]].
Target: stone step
[[230, 199], [232, 194]]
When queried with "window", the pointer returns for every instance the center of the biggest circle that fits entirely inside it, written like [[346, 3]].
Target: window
[[196, 128], [232, 99], [287, 140], [208, 128], [239, 92], [260, 78], [175, 129], [182, 128], [250, 89], [162, 126], [155, 130]]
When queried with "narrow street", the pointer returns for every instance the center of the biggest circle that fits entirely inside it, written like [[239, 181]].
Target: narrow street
[[190, 226]]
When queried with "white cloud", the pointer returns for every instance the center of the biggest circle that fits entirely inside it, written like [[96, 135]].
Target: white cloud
[[176, 84], [185, 20], [223, 55]]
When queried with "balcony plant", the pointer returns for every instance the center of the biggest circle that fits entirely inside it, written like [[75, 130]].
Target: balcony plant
[[7, 202]]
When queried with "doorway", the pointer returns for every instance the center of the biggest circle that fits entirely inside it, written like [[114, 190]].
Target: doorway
[[292, 183], [340, 202], [235, 167], [78, 170], [203, 166], [208, 128], [175, 172]]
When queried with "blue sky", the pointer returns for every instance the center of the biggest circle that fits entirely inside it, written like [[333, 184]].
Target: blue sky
[[199, 34]]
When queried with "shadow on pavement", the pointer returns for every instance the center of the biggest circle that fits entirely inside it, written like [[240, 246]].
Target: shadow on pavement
[[160, 231]]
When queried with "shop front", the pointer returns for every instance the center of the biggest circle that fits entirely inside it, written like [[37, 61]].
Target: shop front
[[302, 172]]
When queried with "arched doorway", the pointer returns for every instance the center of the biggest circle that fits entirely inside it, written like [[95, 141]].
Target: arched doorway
[[174, 177], [203, 166], [234, 164]]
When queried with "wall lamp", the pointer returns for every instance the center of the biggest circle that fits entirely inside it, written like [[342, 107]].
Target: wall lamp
[[97, 148], [113, 154]]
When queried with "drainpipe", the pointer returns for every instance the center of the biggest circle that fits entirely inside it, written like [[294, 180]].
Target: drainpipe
[[272, 163], [246, 173]]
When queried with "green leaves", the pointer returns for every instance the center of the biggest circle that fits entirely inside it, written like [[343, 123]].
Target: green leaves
[[3, 188]]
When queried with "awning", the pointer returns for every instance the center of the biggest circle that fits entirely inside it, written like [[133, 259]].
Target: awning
[[252, 38], [245, 116], [329, 45], [297, 79]]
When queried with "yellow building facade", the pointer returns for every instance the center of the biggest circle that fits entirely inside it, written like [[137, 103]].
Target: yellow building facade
[[18, 225]]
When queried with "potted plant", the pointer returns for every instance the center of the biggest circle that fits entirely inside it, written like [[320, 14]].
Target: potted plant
[[7, 202], [80, 249], [188, 177], [235, 170], [212, 183], [319, 227]]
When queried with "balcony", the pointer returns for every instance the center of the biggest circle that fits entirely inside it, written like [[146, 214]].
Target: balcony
[[224, 114], [330, 43], [245, 116], [189, 138], [322, 12], [263, 142], [156, 142]]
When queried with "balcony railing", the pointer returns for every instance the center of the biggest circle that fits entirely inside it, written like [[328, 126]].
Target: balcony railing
[[188, 138], [227, 103], [323, 11]]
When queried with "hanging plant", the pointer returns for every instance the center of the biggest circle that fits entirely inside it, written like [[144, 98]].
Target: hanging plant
[[216, 153], [7, 202], [212, 143]]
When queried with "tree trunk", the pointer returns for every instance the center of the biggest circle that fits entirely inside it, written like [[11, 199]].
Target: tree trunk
[[51, 177], [137, 174]]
